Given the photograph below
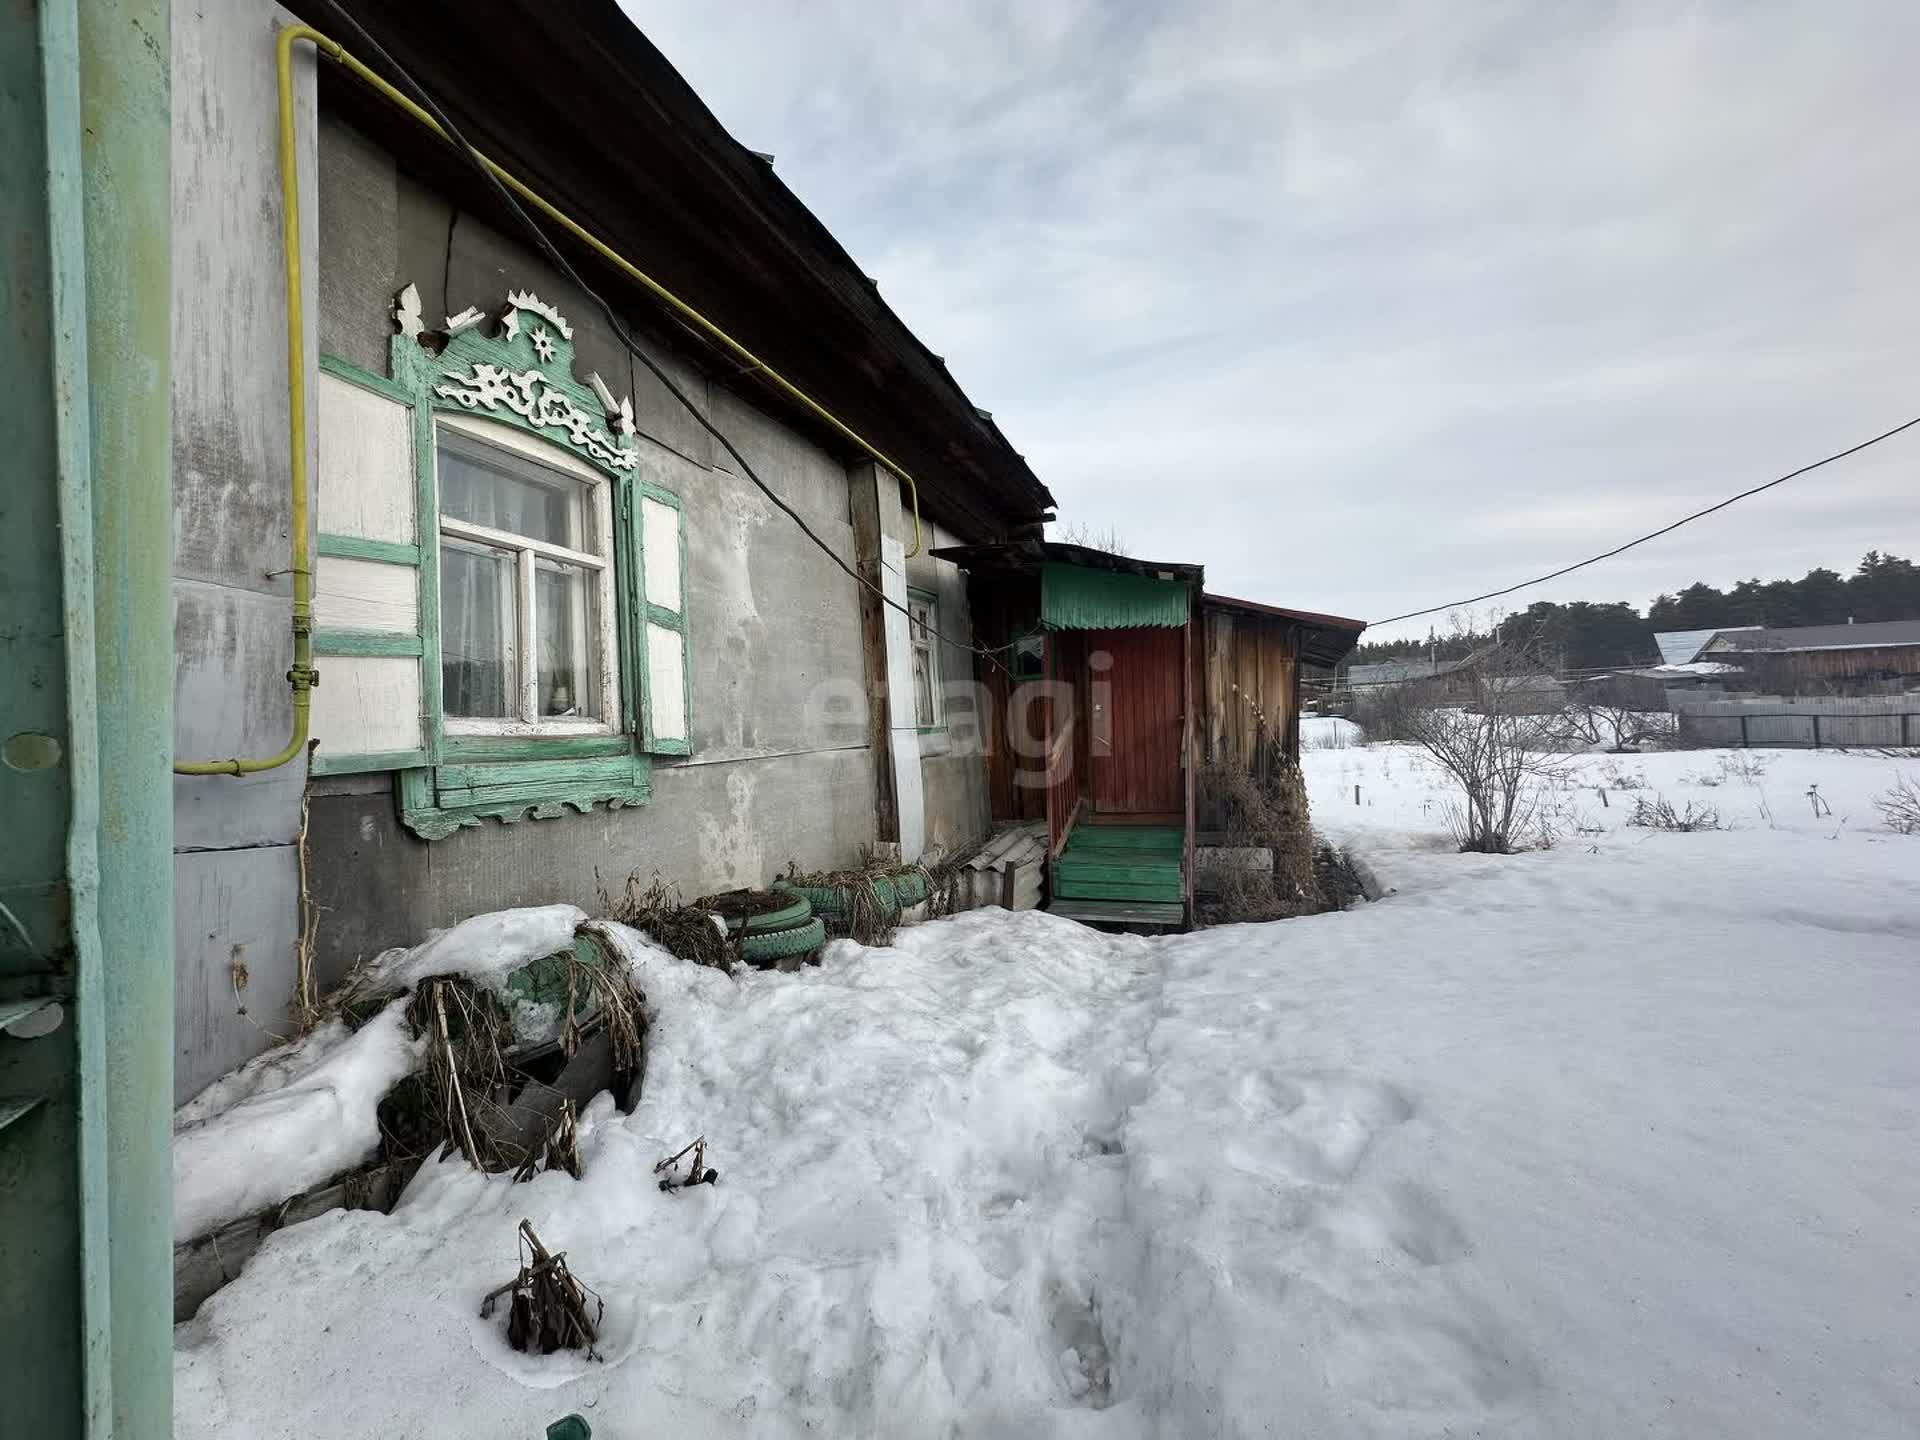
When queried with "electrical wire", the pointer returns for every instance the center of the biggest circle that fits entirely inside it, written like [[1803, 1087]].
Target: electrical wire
[[1653, 534], [552, 252]]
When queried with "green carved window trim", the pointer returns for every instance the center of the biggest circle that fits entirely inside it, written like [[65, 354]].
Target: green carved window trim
[[521, 377]]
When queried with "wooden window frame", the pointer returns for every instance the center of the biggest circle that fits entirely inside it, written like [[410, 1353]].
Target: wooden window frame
[[937, 725], [468, 772]]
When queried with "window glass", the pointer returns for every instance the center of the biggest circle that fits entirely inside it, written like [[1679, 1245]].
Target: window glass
[[569, 640], [920, 623], [526, 589], [479, 666], [487, 486]]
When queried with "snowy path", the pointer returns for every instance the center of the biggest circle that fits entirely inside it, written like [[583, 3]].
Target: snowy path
[[1562, 1144]]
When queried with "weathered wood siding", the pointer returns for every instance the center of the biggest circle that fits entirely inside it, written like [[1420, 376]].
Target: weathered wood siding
[[1137, 714], [1248, 682]]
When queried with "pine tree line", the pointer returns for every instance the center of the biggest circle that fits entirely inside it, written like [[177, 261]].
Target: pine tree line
[[1586, 636]]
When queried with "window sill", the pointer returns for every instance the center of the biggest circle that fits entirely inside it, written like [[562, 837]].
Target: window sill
[[459, 793], [935, 740]]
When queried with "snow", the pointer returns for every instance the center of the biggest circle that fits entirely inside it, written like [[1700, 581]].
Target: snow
[[306, 1111], [294, 1117], [1328, 732], [486, 948], [1614, 1138]]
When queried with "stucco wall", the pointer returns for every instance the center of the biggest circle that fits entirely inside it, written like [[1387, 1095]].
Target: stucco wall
[[234, 863], [952, 761], [780, 769]]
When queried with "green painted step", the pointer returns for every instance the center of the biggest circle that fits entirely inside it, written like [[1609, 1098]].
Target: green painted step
[[1121, 912], [1164, 891], [1104, 838], [1074, 868]]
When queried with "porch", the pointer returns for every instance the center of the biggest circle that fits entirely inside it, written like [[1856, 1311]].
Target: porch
[[1089, 723]]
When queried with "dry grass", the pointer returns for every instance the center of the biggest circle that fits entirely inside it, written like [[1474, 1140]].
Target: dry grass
[[547, 1310], [1900, 806], [871, 915], [680, 929], [1270, 816], [1659, 814], [468, 1034]]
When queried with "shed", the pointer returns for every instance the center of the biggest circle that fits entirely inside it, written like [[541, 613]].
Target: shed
[[1248, 677], [1877, 656]]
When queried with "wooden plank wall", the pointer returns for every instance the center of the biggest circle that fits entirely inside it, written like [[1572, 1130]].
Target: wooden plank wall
[[1002, 607], [1143, 693], [1247, 666], [1068, 767]]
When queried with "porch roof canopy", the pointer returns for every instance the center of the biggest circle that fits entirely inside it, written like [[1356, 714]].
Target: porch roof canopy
[[1074, 597]]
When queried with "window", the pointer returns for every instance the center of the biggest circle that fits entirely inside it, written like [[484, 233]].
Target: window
[[528, 635], [501, 587], [923, 620]]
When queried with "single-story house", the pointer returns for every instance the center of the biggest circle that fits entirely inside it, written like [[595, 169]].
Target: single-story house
[[558, 635], [1874, 657]]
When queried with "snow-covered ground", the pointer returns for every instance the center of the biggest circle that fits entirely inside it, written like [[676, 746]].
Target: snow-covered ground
[[1616, 1138]]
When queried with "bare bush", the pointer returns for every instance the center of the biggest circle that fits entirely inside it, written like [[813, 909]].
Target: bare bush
[[1486, 725], [1659, 814], [1900, 806]]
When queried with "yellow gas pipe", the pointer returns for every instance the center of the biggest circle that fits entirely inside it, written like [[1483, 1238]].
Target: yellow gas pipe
[[302, 676]]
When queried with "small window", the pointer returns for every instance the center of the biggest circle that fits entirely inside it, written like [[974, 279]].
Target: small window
[[923, 620], [527, 625]]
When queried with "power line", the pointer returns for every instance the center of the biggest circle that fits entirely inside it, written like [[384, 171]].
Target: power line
[[552, 252], [1654, 534]]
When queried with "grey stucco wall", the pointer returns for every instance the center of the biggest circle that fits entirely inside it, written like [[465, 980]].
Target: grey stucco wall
[[234, 863], [780, 769], [952, 759]]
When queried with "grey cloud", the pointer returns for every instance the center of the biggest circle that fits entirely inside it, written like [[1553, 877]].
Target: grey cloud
[[1369, 306]]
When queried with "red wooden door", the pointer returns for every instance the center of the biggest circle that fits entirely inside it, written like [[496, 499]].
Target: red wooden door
[[1134, 720]]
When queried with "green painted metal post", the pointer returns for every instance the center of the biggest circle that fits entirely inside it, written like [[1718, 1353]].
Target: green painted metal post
[[55, 1296], [126, 113], [86, 934]]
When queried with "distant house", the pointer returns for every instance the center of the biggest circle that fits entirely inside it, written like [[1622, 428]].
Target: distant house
[[1396, 672], [1683, 647], [1874, 658]]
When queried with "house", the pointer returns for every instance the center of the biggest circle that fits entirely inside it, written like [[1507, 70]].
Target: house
[[359, 576], [1107, 678], [558, 635], [1878, 657], [1682, 647], [1395, 672]]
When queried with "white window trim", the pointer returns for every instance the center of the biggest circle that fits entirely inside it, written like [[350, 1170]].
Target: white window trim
[[930, 643], [600, 492]]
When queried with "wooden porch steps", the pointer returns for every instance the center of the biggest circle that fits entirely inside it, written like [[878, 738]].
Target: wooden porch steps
[[1137, 913], [1137, 865], [1121, 862]]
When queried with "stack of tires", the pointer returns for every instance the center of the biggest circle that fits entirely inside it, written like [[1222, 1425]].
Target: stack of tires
[[769, 937], [898, 893]]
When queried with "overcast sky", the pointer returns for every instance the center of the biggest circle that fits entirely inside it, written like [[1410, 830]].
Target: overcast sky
[[1367, 307]]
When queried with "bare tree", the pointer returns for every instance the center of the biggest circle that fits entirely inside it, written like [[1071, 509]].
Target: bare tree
[[1078, 532], [1495, 724], [1622, 714]]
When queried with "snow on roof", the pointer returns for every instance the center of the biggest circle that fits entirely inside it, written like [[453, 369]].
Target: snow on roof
[[1391, 672], [1681, 647], [1872, 635]]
